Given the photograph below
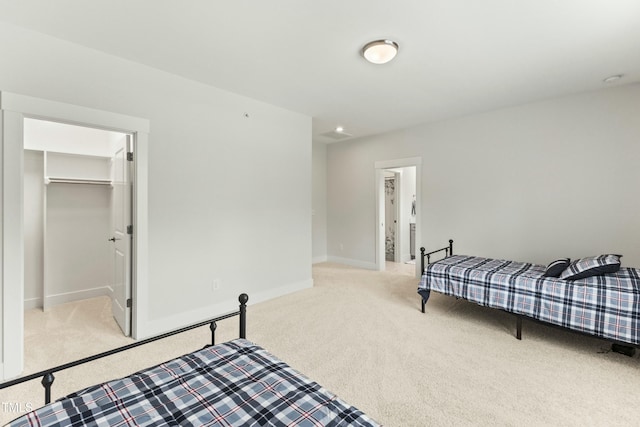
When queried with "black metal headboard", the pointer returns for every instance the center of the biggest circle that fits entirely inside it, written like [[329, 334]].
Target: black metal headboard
[[448, 251]]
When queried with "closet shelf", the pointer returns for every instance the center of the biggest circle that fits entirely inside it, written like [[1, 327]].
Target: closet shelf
[[59, 180]]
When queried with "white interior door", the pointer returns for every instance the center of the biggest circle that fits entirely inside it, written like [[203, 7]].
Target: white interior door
[[121, 237]]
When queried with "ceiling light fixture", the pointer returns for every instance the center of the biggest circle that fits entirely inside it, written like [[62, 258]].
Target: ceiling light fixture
[[339, 129], [380, 51], [613, 78]]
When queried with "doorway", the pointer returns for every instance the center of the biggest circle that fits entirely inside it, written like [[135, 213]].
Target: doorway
[[397, 233], [77, 207], [392, 238], [14, 109]]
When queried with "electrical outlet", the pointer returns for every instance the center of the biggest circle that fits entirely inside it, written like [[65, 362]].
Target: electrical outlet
[[215, 285]]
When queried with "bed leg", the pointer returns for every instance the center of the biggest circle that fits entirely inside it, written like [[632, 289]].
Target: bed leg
[[424, 294], [519, 328], [47, 382], [243, 298], [212, 327]]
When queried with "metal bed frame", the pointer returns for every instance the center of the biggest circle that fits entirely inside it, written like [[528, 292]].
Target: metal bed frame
[[627, 349], [48, 377], [448, 251]]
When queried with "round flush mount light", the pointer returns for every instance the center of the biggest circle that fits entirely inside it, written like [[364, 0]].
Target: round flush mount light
[[613, 78], [380, 51]]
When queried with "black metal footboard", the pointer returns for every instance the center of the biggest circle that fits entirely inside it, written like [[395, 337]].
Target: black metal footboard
[[48, 377], [448, 251]]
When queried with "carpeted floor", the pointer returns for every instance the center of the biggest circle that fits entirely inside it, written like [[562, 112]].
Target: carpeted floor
[[361, 334]]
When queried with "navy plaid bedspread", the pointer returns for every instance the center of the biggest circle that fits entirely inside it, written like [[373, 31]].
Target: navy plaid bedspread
[[232, 384], [607, 306]]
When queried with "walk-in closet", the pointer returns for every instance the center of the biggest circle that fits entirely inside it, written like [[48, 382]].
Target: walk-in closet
[[75, 197]]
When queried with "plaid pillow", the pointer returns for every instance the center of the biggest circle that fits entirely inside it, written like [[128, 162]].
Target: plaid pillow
[[555, 268], [591, 266]]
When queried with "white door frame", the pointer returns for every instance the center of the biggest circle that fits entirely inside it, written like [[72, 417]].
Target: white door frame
[[380, 166], [13, 109]]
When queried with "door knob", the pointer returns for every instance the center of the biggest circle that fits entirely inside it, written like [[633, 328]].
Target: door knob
[[113, 239]]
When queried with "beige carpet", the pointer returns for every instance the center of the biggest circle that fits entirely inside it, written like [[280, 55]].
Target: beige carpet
[[361, 334]]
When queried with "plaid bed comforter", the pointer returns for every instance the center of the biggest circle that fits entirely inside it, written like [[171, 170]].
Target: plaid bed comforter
[[607, 306], [232, 384]]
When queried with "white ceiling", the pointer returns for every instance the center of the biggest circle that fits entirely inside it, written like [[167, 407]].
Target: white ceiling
[[456, 57]]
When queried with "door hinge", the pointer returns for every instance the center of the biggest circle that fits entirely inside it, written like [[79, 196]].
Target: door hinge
[[129, 229], [128, 302], [130, 156]]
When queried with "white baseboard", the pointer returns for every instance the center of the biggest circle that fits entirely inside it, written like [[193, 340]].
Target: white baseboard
[[170, 323], [32, 303], [353, 262], [62, 298], [319, 259]]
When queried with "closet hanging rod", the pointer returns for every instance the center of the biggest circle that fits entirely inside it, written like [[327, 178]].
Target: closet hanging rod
[[53, 180]]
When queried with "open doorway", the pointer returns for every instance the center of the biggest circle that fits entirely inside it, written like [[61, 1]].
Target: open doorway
[[77, 209], [397, 215], [14, 110], [392, 203]]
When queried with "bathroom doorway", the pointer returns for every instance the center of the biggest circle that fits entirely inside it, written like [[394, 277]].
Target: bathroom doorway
[[397, 212]]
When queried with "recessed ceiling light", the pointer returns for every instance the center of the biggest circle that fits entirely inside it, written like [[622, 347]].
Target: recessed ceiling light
[[380, 51], [613, 78], [339, 129]]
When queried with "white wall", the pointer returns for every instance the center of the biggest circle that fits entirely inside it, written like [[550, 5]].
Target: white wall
[[531, 183], [78, 226], [229, 196], [319, 204], [50, 136]]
